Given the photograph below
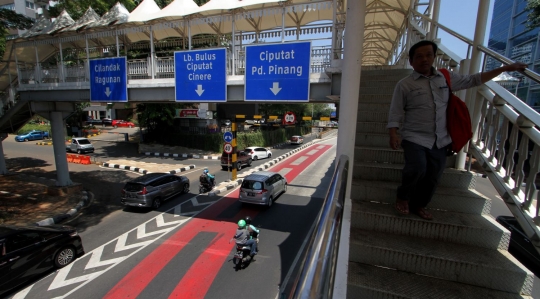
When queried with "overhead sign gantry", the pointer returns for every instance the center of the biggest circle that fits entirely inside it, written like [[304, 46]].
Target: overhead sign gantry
[[108, 80]]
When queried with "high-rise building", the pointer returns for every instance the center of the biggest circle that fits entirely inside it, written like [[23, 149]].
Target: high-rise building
[[510, 37], [30, 8]]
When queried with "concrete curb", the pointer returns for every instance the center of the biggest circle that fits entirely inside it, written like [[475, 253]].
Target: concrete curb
[[43, 143], [192, 156], [56, 219], [144, 171]]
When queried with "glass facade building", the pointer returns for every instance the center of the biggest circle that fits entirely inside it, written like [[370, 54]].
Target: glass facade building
[[510, 37]]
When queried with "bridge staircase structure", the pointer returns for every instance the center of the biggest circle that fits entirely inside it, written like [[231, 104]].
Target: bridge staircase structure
[[461, 253]]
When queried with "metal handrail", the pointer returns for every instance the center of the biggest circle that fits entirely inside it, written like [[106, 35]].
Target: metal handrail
[[314, 276]]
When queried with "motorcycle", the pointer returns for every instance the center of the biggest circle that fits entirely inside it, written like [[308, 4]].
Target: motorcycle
[[206, 187], [243, 257]]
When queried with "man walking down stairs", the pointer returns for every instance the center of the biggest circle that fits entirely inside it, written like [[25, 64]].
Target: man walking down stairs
[[461, 253]]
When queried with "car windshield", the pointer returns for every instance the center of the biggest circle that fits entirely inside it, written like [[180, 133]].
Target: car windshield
[[254, 185], [84, 141], [133, 187]]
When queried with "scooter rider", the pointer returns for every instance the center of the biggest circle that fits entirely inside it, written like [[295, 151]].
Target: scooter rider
[[242, 237], [209, 178], [252, 229]]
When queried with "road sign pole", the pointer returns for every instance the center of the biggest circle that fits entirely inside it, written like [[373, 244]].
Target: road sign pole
[[233, 161]]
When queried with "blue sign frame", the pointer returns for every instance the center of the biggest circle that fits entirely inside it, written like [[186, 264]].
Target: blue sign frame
[[200, 75], [278, 72], [108, 79]]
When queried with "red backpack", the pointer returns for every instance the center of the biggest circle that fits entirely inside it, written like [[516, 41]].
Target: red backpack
[[458, 120]]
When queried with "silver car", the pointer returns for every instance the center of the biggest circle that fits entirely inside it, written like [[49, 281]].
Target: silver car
[[152, 189], [262, 188]]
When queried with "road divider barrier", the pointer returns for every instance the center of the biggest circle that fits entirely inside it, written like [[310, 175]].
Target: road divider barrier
[[78, 159], [126, 135]]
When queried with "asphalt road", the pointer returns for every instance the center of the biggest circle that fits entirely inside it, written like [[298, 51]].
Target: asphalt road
[[195, 227]]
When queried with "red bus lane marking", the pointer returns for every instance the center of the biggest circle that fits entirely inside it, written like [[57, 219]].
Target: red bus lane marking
[[198, 279]]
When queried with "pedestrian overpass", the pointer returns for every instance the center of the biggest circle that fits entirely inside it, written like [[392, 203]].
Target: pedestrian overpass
[[358, 247]]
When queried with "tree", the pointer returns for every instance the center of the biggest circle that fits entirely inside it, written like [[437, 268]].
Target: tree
[[9, 19], [533, 18]]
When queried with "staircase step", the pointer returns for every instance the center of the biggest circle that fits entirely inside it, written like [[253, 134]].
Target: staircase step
[[387, 91], [371, 127], [493, 269], [386, 82], [445, 199], [372, 116], [366, 281], [387, 155], [375, 98], [392, 172], [468, 229], [380, 107], [372, 139]]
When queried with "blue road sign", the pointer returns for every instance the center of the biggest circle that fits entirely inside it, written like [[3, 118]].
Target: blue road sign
[[227, 137], [108, 80], [278, 72], [200, 76]]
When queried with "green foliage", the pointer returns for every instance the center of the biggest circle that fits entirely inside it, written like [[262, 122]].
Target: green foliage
[[9, 19], [533, 18], [29, 127], [79, 115], [304, 109], [214, 142]]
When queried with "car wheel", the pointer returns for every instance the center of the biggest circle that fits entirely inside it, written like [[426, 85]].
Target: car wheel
[[238, 166], [25, 139], [64, 257], [79, 152], [270, 201], [255, 158], [285, 188], [157, 203], [269, 156], [249, 162], [186, 188], [224, 167]]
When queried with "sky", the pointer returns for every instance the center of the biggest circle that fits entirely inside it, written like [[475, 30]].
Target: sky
[[460, 16]]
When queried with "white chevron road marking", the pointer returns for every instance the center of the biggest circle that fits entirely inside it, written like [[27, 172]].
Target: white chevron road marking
[[96, 256]]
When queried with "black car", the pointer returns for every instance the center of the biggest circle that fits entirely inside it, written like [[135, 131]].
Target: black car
[[151, 189], [28, 252], [520, 245]]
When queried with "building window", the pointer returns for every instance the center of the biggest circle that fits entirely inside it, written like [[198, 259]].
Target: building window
[[8, 6], [30, 5]]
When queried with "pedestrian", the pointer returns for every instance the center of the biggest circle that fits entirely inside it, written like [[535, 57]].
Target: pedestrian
[[419, 103]]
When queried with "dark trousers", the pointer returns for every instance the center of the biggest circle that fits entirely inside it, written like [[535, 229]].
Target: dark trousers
[[423, 169]]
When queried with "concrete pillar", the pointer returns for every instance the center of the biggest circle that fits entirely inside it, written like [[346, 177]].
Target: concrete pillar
[[59, 148], [3, 168], [152, 53], [462, 155], [350, 86]]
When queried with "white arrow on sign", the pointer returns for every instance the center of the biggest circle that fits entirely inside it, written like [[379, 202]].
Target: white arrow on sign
[[108, 91], [199, 90], [275, 88]]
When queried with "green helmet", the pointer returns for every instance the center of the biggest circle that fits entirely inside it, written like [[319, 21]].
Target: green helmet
[[241, 223]]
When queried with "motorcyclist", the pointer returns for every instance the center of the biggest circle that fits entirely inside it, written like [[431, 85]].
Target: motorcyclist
[[254, 232], [209, 178], [242, 237]]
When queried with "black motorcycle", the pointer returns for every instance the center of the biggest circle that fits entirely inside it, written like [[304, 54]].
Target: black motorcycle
[[206, 187], [243, 257]]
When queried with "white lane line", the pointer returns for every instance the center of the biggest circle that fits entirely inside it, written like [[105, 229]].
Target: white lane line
[[312, 152]]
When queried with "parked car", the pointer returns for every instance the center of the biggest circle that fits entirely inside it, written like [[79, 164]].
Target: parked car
[[257, 152], [29, 252], [262, 188], [297, 139], [226, 123], [32, 135], [94, 122], [122, 123], [106, 122], [242, 158], [152, 189], [520, 245], [80, 145]]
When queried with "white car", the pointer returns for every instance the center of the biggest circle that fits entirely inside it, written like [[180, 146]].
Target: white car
[[296, 139], [257, 153]]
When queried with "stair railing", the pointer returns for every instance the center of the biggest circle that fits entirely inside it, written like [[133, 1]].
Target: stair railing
[[315, 267]]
